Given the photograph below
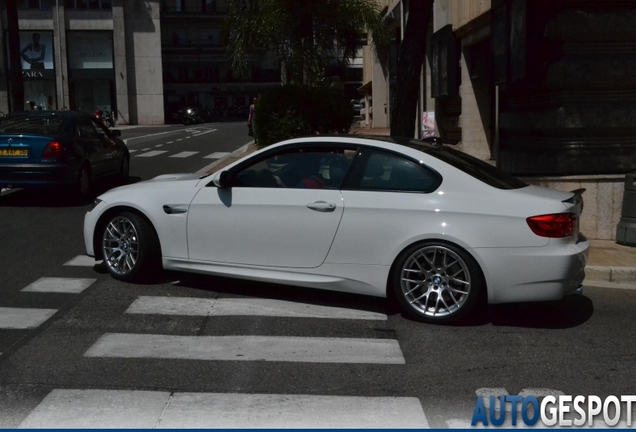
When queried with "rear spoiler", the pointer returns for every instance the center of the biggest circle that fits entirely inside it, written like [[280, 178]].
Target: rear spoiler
[[576, 197], [577, 194]]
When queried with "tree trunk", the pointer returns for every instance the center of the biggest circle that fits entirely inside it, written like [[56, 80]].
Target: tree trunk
[[411, 58]]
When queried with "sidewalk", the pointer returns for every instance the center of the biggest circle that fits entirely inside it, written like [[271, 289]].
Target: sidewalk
[[609, 264]]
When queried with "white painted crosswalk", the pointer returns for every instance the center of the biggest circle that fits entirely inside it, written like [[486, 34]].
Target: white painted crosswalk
[[131, 408], [244, 307], [153, 409], [23, 318], [248, 348]]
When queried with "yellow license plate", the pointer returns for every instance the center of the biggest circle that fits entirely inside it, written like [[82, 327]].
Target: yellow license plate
[[14, 152]]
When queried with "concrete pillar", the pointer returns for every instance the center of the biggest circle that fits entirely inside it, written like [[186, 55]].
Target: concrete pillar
[[120, 62], [143, 62], [60, 60]]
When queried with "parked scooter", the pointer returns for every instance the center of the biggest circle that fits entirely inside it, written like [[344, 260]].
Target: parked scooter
[[191, 116]]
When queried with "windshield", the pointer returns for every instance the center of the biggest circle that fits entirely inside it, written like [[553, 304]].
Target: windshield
[[32, 125]]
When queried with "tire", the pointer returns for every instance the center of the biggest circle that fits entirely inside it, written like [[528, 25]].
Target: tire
[[124, 167], [437, 282], [130, 248], [83, 184]]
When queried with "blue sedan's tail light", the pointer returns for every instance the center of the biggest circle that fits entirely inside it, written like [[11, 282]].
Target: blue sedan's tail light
[[52, 150]]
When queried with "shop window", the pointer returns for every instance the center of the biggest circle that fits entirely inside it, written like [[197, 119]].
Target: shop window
[[88, 4], [35, 4]]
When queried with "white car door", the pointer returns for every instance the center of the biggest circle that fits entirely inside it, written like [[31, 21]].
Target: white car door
[[270, 216]]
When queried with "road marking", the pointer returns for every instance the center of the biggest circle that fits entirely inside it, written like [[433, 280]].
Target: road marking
[[82, 261], [159, 145], [184, 154], [188, 137], [23, 318], [244, 307], [152, 153], [216, 155], [248, 348], [180, 139], [169, 142], [203, 133], [59, 285], [154, 409], [132, 150], [485, 394]]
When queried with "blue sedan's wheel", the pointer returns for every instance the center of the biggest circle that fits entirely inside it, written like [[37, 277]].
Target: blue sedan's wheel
[[130, 247], [83, 186], [437, 282], [124, 169]]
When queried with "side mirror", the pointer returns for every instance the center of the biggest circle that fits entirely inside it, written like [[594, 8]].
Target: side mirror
[[222, 180], [116, 133]]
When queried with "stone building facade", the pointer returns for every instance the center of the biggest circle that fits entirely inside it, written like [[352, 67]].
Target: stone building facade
[[543, 89], [99, 54]]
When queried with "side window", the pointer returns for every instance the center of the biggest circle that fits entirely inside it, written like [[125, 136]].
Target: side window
[[86, 128], [309, 168], [383, 171]]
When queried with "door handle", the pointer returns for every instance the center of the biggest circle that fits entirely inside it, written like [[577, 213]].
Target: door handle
[[322, 206]]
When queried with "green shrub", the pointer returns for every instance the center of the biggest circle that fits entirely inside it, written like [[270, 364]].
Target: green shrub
[[291, 111]]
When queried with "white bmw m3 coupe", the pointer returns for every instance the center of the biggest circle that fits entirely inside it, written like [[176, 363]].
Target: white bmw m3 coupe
[[426, 223]]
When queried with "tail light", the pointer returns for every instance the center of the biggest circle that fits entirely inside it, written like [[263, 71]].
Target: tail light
[[553, 225], [52, 150]]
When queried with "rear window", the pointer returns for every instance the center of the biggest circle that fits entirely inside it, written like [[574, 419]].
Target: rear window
[[35, 125], [472, 166], [479, 169]]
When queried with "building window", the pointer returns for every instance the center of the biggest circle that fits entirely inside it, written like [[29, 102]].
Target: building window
[[88, 4], [35, 4]]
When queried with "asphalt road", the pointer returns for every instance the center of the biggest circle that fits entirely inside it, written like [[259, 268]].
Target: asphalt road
[[276, 356]]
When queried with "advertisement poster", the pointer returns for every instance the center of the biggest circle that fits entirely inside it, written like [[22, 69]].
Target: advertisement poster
[[428, 124], [36, 50]]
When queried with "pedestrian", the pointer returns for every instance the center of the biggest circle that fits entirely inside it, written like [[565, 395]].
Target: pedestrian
[[251, 121]]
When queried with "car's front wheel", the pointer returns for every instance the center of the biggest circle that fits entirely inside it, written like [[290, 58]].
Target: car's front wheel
[[437, 282], [130, 247]]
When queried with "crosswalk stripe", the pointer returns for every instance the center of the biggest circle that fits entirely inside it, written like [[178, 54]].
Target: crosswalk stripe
[[248, 348], [82, 261], [59, 285], [152, 153], [132, 150], [216, 155], [23, 318], [184, 154], [154, 409], [244, 307]]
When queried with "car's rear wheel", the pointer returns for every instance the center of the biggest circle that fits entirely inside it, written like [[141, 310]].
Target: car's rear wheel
[[124, 168], [437, 282], [130, 248], [83, 186]]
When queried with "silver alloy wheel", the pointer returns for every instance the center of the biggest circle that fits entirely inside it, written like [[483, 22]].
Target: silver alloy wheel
[[435, 281], [120, 245]]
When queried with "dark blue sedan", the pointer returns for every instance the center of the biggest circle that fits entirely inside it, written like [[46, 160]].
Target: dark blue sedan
[[59, 148]]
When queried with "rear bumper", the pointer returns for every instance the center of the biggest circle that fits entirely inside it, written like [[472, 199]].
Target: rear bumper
[[26, 175], [535, 273]]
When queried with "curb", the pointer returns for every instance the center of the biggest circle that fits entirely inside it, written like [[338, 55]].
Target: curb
[[620, 275]]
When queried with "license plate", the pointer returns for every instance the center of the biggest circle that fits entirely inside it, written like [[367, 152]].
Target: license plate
[[14, 152]]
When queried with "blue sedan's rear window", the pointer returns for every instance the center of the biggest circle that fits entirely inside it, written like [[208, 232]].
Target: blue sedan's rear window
[[35, 125]]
